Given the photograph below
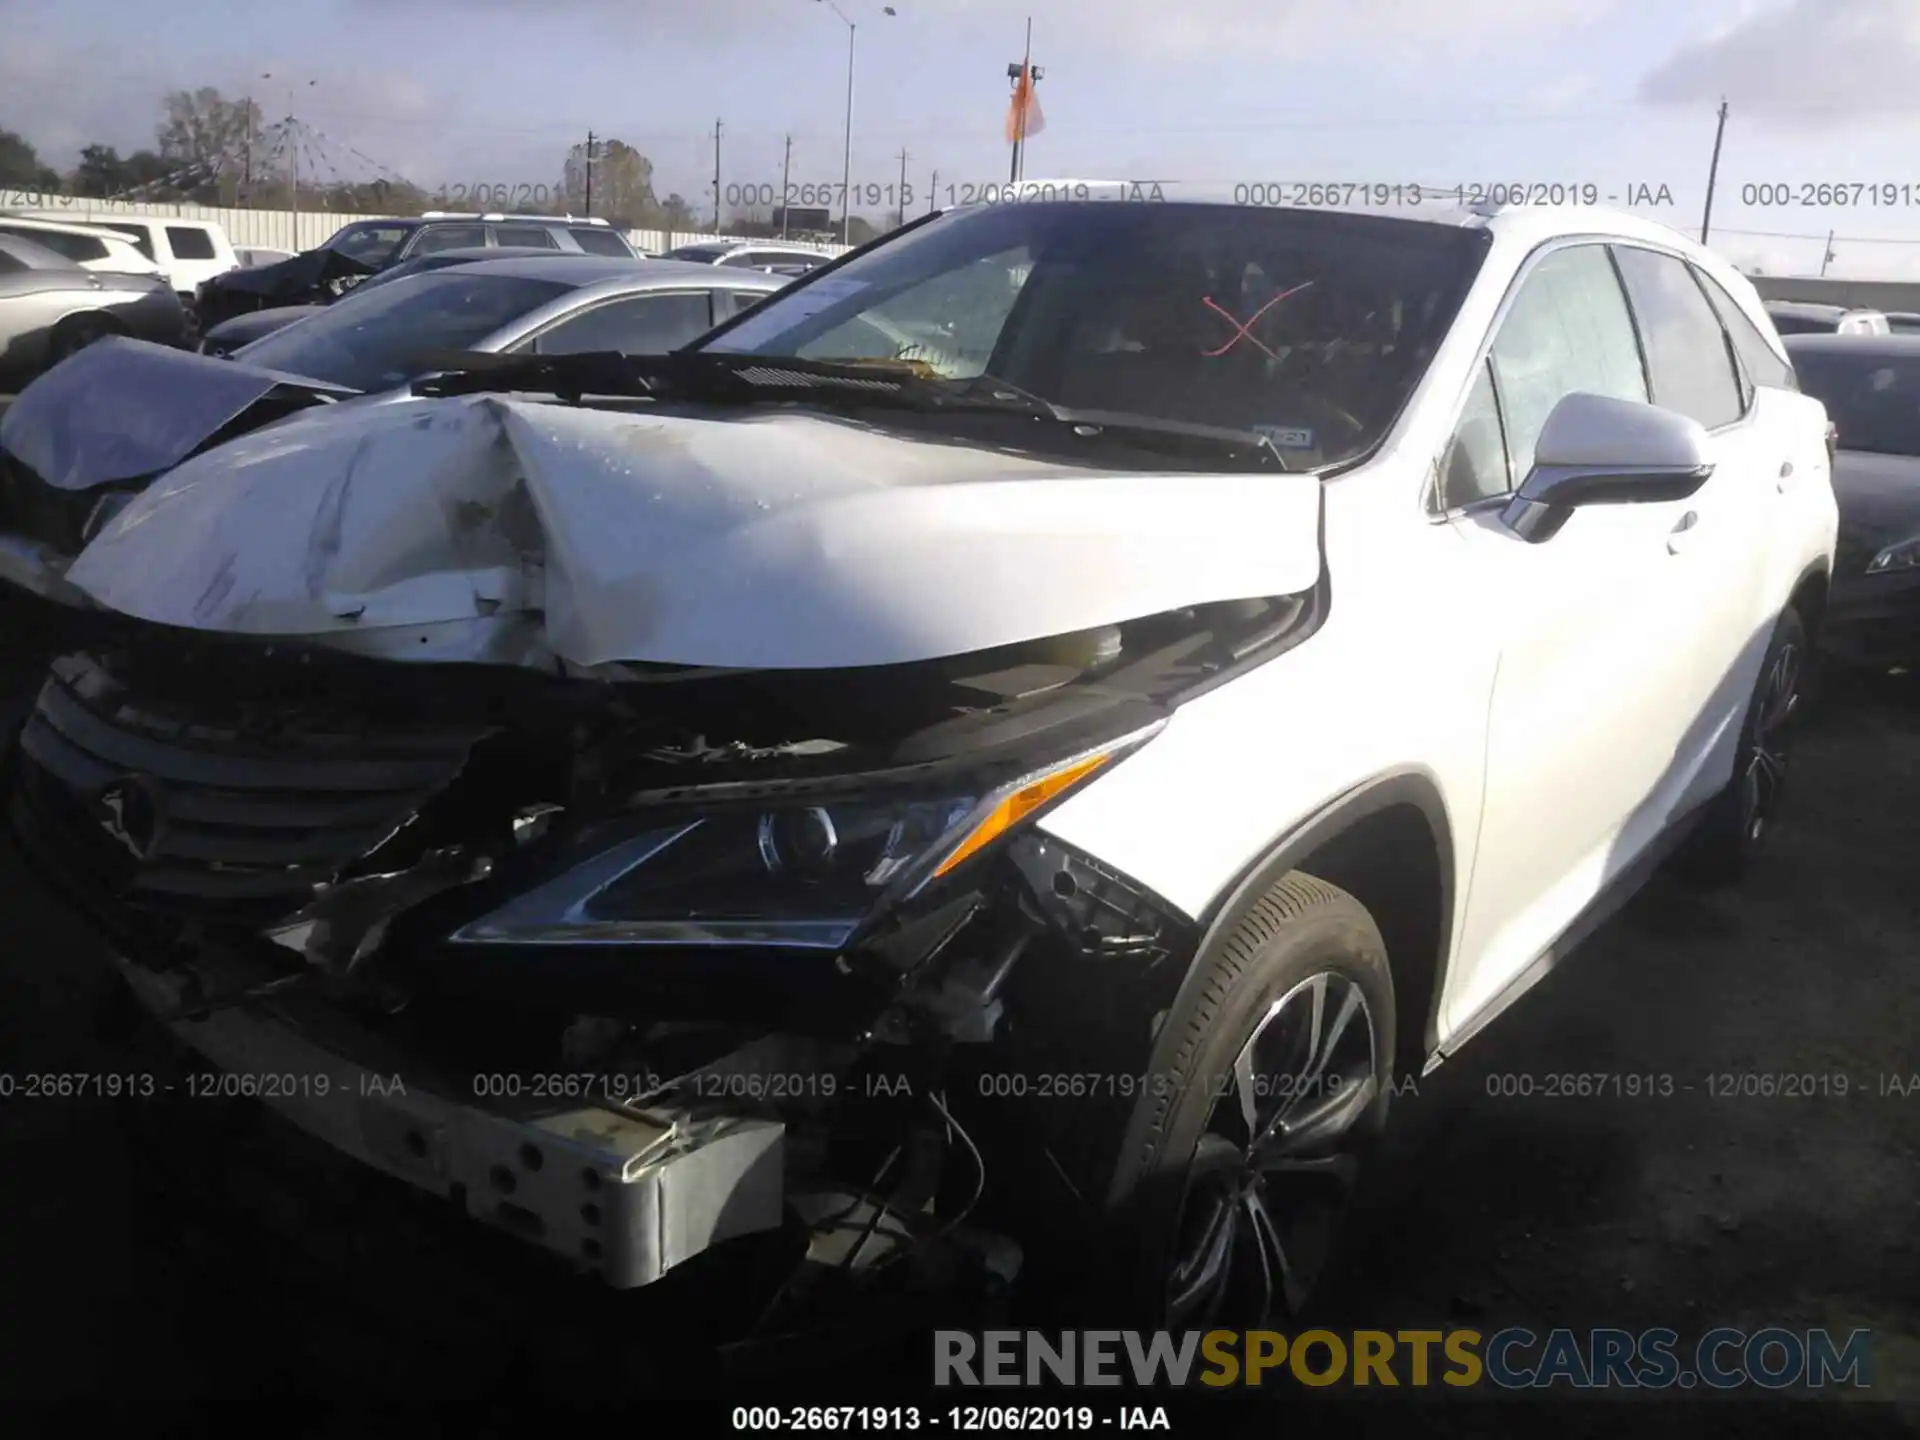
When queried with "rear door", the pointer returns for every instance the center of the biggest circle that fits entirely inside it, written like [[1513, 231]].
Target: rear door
[[1724, 536]]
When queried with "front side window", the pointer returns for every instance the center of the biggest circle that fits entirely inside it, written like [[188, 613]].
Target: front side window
[[639, 325], [1689, 357], [1567, 330], [377, 340], [1475, 465], [371, 245], [1872, 399], [450, 237], [1311, 327], [190, 242]]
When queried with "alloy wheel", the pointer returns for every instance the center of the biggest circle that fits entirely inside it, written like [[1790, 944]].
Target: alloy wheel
[[1277, 1163], [1776, 706]]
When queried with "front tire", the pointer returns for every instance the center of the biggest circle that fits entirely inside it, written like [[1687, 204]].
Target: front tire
[[1217, 1196]]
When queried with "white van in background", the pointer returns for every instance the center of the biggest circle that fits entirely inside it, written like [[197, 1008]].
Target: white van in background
[[91, 247], [188, 251]]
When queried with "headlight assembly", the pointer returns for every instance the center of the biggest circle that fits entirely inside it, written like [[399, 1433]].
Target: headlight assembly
[[1903, 556], [803, 874]]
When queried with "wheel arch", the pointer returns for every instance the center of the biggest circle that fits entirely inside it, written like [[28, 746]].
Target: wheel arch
[[1809, 598], [1388, 842]]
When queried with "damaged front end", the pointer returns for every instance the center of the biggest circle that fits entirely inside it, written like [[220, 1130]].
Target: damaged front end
[[661, 953]]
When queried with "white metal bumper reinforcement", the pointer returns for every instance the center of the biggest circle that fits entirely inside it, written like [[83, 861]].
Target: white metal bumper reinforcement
[[627, 1194]]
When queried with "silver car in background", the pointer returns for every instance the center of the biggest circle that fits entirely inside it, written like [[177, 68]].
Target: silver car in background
[[50, 308], [557, 305]]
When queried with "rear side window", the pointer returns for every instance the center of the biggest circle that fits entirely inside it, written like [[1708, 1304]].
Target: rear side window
[[530, 235], [189, 242], [599, 242], [1764, 367], [77, 248], [1568, 330], [1689, 357]]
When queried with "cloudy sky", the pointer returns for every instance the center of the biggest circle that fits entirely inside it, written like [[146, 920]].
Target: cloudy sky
[[1617, 93]]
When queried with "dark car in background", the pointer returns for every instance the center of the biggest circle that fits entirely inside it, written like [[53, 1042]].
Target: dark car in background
[[229, 335], [51, 308], [1800, 317], [1870, 385], [369, 247]]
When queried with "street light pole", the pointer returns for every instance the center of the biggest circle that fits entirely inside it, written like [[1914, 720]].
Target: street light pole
[[846, 163], [846, 171]]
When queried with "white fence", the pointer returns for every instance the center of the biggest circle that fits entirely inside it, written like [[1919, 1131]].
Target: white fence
[[279, 229]]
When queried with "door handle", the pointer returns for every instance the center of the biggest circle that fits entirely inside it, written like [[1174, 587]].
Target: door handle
[[1786, 476], [1677, 537]]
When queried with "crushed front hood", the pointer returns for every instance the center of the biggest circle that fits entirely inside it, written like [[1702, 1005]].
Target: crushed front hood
[[486, 528], [122, 410]]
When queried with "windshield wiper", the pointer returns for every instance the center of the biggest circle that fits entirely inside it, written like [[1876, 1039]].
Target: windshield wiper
[[472, 372], [730, 378]]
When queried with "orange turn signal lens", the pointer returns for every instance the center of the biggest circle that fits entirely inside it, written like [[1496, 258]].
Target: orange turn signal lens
[[1020, 804]]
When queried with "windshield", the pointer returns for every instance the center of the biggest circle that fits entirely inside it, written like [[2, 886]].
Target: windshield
[[1873, 400], [1309, 327], [386, 338]]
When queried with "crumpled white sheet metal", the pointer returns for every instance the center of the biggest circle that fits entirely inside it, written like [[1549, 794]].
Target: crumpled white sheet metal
[[779, 539], [122, 409]]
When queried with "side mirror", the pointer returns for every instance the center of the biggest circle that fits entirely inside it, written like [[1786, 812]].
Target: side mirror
[[1595, 450]]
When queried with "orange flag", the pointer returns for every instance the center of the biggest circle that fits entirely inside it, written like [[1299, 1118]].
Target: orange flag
[[1023, 115]]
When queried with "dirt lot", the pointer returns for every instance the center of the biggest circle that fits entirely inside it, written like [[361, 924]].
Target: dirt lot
[[135, 1291]]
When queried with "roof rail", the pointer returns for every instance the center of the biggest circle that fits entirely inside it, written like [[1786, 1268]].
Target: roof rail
[[509, 215]]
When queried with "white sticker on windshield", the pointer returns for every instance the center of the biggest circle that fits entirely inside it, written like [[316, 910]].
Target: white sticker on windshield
[[783, 312], [1288, 437]]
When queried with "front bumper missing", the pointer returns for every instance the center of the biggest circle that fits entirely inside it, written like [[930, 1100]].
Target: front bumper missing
[[626, 1194]]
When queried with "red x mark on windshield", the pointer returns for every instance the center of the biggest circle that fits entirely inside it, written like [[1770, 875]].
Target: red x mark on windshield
[[1245, 332]]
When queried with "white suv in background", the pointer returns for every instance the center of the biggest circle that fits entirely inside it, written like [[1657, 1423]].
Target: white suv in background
[[186, 251], [1138, 679], [88, 246]]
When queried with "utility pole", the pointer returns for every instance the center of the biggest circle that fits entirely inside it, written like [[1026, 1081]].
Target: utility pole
[[933, 193], [589, 174], [1713, 172], [293, 151], [1023, 94], [246, 154], [903, 187], [786, 187], [1826, 257], [716, 177]]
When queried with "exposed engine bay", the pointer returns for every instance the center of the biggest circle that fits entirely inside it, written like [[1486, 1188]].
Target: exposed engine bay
[[699, 954]]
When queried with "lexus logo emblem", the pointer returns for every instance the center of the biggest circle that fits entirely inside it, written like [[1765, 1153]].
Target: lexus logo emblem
[[131, 813]]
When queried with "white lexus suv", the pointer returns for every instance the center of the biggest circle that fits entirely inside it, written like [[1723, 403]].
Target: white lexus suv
[[1022, 736]]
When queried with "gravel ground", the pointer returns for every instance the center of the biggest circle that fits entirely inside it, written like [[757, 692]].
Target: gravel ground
[[142, 1289]]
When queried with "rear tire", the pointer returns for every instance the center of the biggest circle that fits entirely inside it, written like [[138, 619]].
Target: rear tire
[[1217, 1195], [1738, 821]]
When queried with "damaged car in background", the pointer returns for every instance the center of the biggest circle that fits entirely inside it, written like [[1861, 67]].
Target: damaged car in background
[[959, 770], [82, 440]]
